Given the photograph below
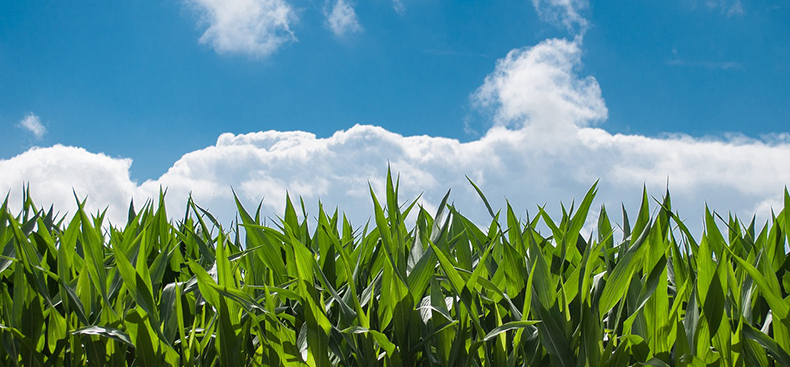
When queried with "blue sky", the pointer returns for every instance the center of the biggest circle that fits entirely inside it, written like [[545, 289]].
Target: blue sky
[[129, 78], [153, 81]]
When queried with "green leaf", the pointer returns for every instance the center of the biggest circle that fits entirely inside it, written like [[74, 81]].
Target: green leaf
[[778, 305], [769, 344], [617, 283], [105, 332], [507, 327]]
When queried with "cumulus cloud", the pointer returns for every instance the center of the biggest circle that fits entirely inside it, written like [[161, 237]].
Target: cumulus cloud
[[544, 150], [56, 173], [567, 13], [342, 19], [537, 86], [252, 27], [33, 124]]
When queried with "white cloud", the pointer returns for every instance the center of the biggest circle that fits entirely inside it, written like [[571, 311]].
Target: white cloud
[[33, 124], [253, 27], [544, 150], [55, 171], [564, 12], [342, 19], [524, 167], [536, 86]]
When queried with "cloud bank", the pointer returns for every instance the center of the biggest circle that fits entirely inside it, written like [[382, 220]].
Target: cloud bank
[[543, 148], [56, 173], [253, 27]]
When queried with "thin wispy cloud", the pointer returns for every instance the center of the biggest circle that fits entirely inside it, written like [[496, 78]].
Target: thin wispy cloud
[[721, 65], [399, 6], [728, 7], [32, 123], [676, 60], [566, 13], [253, 27], [342, 19]]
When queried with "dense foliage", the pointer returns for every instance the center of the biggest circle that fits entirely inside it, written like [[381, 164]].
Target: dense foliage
[[441, 292]]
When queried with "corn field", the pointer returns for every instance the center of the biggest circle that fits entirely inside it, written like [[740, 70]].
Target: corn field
[[302, 290]]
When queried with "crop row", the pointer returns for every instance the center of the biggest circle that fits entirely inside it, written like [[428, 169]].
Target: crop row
[[441, 291]]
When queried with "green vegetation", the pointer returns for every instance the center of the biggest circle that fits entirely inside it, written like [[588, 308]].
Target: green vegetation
[[446, 292]]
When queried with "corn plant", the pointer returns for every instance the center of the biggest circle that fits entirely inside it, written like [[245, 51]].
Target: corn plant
[[438, 290]]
